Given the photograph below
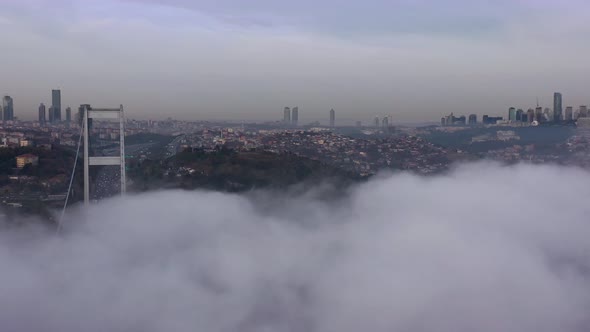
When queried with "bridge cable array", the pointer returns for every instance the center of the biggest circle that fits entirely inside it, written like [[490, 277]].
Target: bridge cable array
[[63, 212]]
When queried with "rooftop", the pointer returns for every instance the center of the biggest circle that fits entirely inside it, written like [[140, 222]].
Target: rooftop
[[28, 155]]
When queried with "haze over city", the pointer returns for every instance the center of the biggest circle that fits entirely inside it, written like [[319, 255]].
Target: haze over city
[[294, 166], [228, 60]]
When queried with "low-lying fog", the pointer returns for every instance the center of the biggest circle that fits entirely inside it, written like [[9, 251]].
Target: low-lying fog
[[483, 248]]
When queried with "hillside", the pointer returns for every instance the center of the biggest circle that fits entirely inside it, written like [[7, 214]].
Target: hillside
[[232, 171]]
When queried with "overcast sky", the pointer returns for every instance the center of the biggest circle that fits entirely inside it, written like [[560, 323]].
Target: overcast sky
[[236, 59]]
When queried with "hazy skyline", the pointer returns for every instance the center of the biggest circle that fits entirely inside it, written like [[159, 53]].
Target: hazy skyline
[[222, 59]]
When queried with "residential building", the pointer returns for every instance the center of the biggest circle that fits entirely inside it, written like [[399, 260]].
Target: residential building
[[23, 160]]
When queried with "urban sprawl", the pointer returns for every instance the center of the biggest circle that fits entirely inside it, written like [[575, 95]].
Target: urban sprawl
[[363, 150]]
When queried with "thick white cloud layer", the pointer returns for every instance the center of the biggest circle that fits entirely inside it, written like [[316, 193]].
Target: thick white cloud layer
[[485, 248]]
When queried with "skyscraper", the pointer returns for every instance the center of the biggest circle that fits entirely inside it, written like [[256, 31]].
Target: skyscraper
[[462, 120], [56, 104], [287, 116], [519, 115], [376, 122], [51, 115], [295, 116], [42, 116], [557, 107], [512, 114], [583, 111], [385, 122], [332, 118], [68, 115], [8, 105], [539, 114], [569, 113], [472, 119], [450, 121], [530, 115], [547, 114], [56, 114]]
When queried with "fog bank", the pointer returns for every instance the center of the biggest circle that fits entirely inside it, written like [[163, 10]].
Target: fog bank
[[484, 248]]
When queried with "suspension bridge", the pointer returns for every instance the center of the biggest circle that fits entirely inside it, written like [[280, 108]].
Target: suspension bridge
[[87, 114]]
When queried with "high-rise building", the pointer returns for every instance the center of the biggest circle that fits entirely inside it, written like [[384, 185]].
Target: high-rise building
[[295, 116], [512, 114], [557, 107], [486, 119], [547, 114], [51, 114], [450, 119], [68, 114], [42, 116], [56, 104], [569, 113], [583, 111], [56, 114], [332, 118], [462, 120], [8, 106], [519, 115], [376, 121], [472, 119], [443, 121], [385, 122], [359, 124], [539, 114], [287, 115], [530, 115]]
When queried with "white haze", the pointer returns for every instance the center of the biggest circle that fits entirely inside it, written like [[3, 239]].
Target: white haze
[[484, 248]]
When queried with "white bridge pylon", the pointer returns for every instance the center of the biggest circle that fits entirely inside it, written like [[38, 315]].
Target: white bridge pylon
[[107, 114]]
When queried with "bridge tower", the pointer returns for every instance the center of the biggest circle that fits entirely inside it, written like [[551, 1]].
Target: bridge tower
[[89, 113]]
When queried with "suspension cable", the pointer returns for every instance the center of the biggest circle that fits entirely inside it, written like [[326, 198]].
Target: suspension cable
[[63, 212]]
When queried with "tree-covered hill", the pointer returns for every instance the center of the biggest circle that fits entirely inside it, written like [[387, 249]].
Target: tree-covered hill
[[233, 171]]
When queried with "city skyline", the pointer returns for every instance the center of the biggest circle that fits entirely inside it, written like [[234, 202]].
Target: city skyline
[[291, 116], [534, 116], [216, 61]]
